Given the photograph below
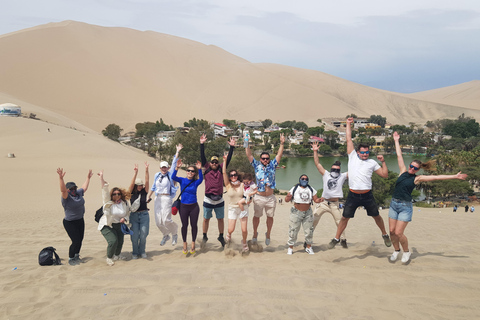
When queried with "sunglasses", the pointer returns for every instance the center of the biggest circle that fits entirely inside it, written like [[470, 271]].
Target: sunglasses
[[214, 162], [116, 194], [336, 170], [304, 179], [265, 158], [414, 168], [233, 175], [190, 170], [364, 152]]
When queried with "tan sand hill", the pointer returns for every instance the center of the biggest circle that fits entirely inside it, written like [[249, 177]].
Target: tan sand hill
[[441, 282], [465, 95], [97, 75]]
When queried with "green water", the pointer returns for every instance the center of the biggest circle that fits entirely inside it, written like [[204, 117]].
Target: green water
[[288, 177]]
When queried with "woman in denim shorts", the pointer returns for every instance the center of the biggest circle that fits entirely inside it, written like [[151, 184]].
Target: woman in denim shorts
[[401, 209]]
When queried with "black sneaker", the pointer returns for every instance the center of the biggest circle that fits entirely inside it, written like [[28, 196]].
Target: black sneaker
[[305, 245], [222, 240], [343, 243], [205, 239], [333, 243]]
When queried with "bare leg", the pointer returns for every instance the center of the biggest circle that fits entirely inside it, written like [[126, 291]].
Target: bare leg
[[399, 234], [269, 226], [379, 221], [341, 226], [392, 223], [231, 227], [256, 222], [244, 226]]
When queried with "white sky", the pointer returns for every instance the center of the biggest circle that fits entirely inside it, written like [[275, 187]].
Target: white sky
[[403, 46]]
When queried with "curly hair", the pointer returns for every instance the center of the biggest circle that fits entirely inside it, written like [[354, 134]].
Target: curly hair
[[125, 195]]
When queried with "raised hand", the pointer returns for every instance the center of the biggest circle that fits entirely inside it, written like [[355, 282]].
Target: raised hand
[[180, 147], [61, 173], [396, 136], [315, 146], [90, 174], [179, 164], [461, 176], [198, 165], [380, 158], [231, 142], [135, 168], [203, 138], [350, 121], [282, 138], [146, 166]]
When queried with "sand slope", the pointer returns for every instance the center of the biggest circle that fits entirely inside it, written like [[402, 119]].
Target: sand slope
[[96, 75], [441, 282]]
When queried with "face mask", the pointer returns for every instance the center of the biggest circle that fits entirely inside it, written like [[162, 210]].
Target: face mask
[[303, 183], [73, 193], [334, 174]]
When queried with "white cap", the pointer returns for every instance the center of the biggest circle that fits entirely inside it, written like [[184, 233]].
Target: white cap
[[139, 182], [163, 164]]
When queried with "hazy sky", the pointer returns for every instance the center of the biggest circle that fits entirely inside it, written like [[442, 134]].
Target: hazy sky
[[403, 46]]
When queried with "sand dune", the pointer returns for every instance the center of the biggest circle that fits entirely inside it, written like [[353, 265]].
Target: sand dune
[[465, 94], [441, 282], [96, 75]]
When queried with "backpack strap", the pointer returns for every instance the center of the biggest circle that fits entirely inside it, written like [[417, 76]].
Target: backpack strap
[[57, 260], [309, 187], [181, 191]]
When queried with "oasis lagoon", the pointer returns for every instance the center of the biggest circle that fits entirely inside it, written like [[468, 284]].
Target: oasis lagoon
[[287, 177]]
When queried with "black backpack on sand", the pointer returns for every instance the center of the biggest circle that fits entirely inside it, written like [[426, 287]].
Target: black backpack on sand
[[48, 257]]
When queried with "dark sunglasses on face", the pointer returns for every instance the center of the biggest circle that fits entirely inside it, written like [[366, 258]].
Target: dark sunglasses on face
[[364, 152], [265, 158], [214, 162], [414, 168], [116, 194], [336, 170], [233, 175], [305, 179], [188, 170]]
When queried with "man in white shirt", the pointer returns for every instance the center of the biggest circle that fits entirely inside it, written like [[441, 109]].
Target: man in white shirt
[[332, 192], [360, 170]]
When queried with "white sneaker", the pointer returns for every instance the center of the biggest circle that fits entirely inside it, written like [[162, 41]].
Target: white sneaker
[[289, 251], [144, 255], [165, 239], [115, 258], [309, 250], [406, 257], [174, 239], [110, 262], [394, 255]]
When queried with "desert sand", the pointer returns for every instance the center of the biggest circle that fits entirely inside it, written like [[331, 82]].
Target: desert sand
[[97, 75], [441, 281]]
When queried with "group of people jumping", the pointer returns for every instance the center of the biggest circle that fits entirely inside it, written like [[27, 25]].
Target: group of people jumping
[[123, 208]]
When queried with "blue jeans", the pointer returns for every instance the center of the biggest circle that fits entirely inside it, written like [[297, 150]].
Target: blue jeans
[[140, 221]]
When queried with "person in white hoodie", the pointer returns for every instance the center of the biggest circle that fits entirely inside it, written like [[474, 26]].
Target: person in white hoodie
[[116, 211]]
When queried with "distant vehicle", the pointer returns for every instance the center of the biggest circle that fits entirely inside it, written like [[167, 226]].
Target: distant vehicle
[[10, 110]]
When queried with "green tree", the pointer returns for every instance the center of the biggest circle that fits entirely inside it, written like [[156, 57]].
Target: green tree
[[378, 119], [316, 131], [112, 131], [331, 138], [200, 124], [301, 126], [267, 123], [382, 189], [232, 124], [324, 149]]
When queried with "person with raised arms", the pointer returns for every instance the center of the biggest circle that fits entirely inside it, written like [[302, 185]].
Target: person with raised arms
[[360, 170], [265, 199], [401, 208]]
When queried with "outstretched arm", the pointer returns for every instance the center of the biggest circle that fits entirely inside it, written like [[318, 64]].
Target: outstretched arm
[[147, 176], [423, 178], [231, 142], [87, 181], [226, 181], [315, 148], [401, 163], [132, 183], [63, 188], [203, 139], [249, 154], [280, 149], [350, 146], [383, 171]]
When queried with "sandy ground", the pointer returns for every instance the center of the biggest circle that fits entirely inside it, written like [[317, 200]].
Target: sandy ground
[[441, 281]]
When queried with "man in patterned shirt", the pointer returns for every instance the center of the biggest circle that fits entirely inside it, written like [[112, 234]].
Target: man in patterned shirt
[[265, 199]]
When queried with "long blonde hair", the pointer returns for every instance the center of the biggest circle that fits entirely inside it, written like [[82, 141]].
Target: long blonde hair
[[125, 195], [430, 165]]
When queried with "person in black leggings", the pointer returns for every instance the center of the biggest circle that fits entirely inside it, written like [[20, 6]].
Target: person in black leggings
[[189, 208], [74, 206]]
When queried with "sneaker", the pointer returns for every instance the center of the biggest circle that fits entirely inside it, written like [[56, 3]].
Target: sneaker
[[290, 251], [205, 238], [110, 262], [333, 243], [305, 245], [174, 239], [387, 240], [115, 258], [254, 240], [73, 262], [144, 256], [222, 240], [134, 257], [343, 243], [78, 259], [394, 255], [165, 239], [309, 250], [406, 256], [267, 240]]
